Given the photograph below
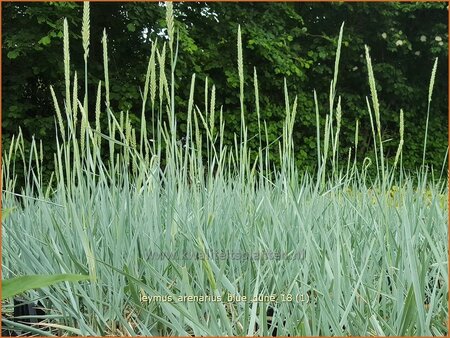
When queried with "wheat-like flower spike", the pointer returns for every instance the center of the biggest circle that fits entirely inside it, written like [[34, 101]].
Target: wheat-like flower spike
[[97, 112], [58, 114], [373, 88], [337, 59], [400, 145], [433, 76], [84, 123], [74, 101], [67, 66], [255, 81], [212, 109], [153, 74], [240, 66], [170, 22], [105, 65], [376, 108], [338, 114], [85, 29]]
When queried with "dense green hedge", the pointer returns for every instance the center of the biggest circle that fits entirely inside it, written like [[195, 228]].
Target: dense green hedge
[[296, 41]]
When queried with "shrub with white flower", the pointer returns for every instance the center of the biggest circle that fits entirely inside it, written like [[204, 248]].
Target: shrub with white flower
[[384, 35], [423, 38], [438, 38], [398, 42]]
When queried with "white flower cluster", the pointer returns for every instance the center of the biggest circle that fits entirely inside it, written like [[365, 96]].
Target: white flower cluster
[[439, 40]]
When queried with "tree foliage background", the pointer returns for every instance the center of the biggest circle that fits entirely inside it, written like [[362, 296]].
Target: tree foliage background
[[296, 41]]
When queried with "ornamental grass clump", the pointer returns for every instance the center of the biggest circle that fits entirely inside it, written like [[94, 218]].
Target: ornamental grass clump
[[205, 237]]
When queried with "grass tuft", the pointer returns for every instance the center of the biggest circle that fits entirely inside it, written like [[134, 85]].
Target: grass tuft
[[165, 214]]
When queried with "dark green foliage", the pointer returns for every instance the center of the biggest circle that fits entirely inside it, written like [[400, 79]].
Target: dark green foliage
[[293, 40]]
